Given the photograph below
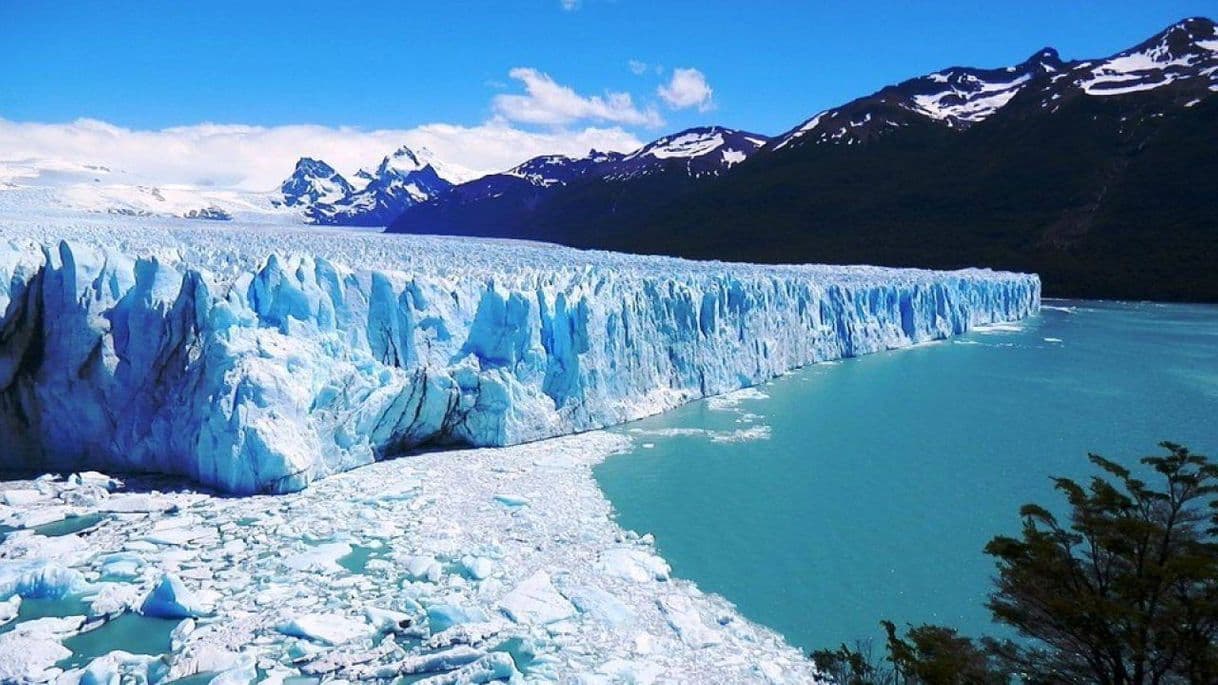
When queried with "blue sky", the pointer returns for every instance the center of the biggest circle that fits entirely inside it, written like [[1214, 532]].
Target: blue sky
[[763, 66], [399, 64]]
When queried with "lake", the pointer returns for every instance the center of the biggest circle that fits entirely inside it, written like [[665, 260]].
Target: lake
[[850, 492]]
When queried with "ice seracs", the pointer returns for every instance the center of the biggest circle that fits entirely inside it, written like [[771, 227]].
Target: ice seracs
[[251, 368]]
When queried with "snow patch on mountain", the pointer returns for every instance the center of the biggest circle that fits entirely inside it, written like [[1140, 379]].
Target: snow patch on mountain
[[960, 97]]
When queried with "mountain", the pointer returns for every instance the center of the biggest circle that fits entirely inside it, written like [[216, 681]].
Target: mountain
[[314, 182], [1101, 175], [402, 179], [505, 204]]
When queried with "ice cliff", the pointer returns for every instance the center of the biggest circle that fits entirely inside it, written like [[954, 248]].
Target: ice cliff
[[253, 359]]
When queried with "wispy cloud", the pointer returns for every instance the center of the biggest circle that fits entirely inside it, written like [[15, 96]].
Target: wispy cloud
[[258, 158], [570, 5], [637, 68], [547, 102], [687, 88]]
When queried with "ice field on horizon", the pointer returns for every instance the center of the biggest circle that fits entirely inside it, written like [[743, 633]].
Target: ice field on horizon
[[259, 359]]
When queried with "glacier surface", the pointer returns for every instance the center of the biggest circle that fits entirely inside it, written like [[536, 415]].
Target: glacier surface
[[258, 359]]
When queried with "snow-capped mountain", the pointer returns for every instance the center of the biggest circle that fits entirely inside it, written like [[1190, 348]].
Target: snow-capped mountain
[[1185, 56], [313, 182], [1099, 174], [704, 151], [502, 204], [549, 170], [695, 152], [402, 179]]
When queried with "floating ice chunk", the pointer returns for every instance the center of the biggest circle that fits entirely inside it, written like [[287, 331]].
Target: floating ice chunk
[[730, 401], [630, 672], [741, 435], [464, 634], [122, 565], [684, 618], [54, 627], [177, 636], [22, 497], [179, 531], [493, 667], [228, 667], [477, 568], [535, 602], [330, 629], [407, 488], [446, 660], [422, 567], [95, 478], [9, 609], [29, 659], [512, 500], [39, 579], [388, 621], [441, 617], [242, 672], [111, 599], [322, 558], [171, 599], [122, 667], [600, 604], [634, 564], [135, 503]]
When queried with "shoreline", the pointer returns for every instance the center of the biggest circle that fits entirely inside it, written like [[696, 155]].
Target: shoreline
[[504, 545]]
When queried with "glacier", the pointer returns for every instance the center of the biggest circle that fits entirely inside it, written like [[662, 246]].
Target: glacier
[[257, 359]]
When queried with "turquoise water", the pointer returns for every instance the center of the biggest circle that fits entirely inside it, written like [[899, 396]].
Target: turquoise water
[[129, 632], [884, 476]]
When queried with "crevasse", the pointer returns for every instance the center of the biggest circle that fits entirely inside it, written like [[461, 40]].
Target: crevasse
[[259, 362]]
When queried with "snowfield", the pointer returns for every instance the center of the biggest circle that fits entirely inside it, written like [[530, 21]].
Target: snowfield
[[259, 359]]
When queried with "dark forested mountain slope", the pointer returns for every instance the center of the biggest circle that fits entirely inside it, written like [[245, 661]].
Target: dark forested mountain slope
[[1101, 175]]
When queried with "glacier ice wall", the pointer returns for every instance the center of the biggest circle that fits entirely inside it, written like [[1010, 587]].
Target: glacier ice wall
[[256, 360]]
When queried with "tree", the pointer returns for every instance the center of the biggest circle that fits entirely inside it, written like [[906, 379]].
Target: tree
[[934, 655], [852, 665], [1127, 593]]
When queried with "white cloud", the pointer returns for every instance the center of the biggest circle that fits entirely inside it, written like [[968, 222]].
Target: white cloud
[[636, 67], [550, 103], [258, 158], [569, 5], [688, 88]]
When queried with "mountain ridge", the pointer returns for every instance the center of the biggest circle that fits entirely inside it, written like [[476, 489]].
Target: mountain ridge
[[1098, 174]]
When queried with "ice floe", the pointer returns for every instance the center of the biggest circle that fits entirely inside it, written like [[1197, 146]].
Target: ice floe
[[448, 584]]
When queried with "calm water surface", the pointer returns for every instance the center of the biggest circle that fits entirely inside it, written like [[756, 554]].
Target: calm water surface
[[866, 489]]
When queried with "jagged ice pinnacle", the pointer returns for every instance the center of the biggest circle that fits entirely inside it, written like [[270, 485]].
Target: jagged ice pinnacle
[[253, 359]]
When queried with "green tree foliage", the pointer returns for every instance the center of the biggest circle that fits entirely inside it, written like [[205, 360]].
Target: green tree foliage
[[935, 655], [1127, 591], [852, 665], [1123, 593]]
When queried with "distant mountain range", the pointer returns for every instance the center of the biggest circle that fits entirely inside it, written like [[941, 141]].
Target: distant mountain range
[[505, 204], [1101, 175], [401, 181]]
